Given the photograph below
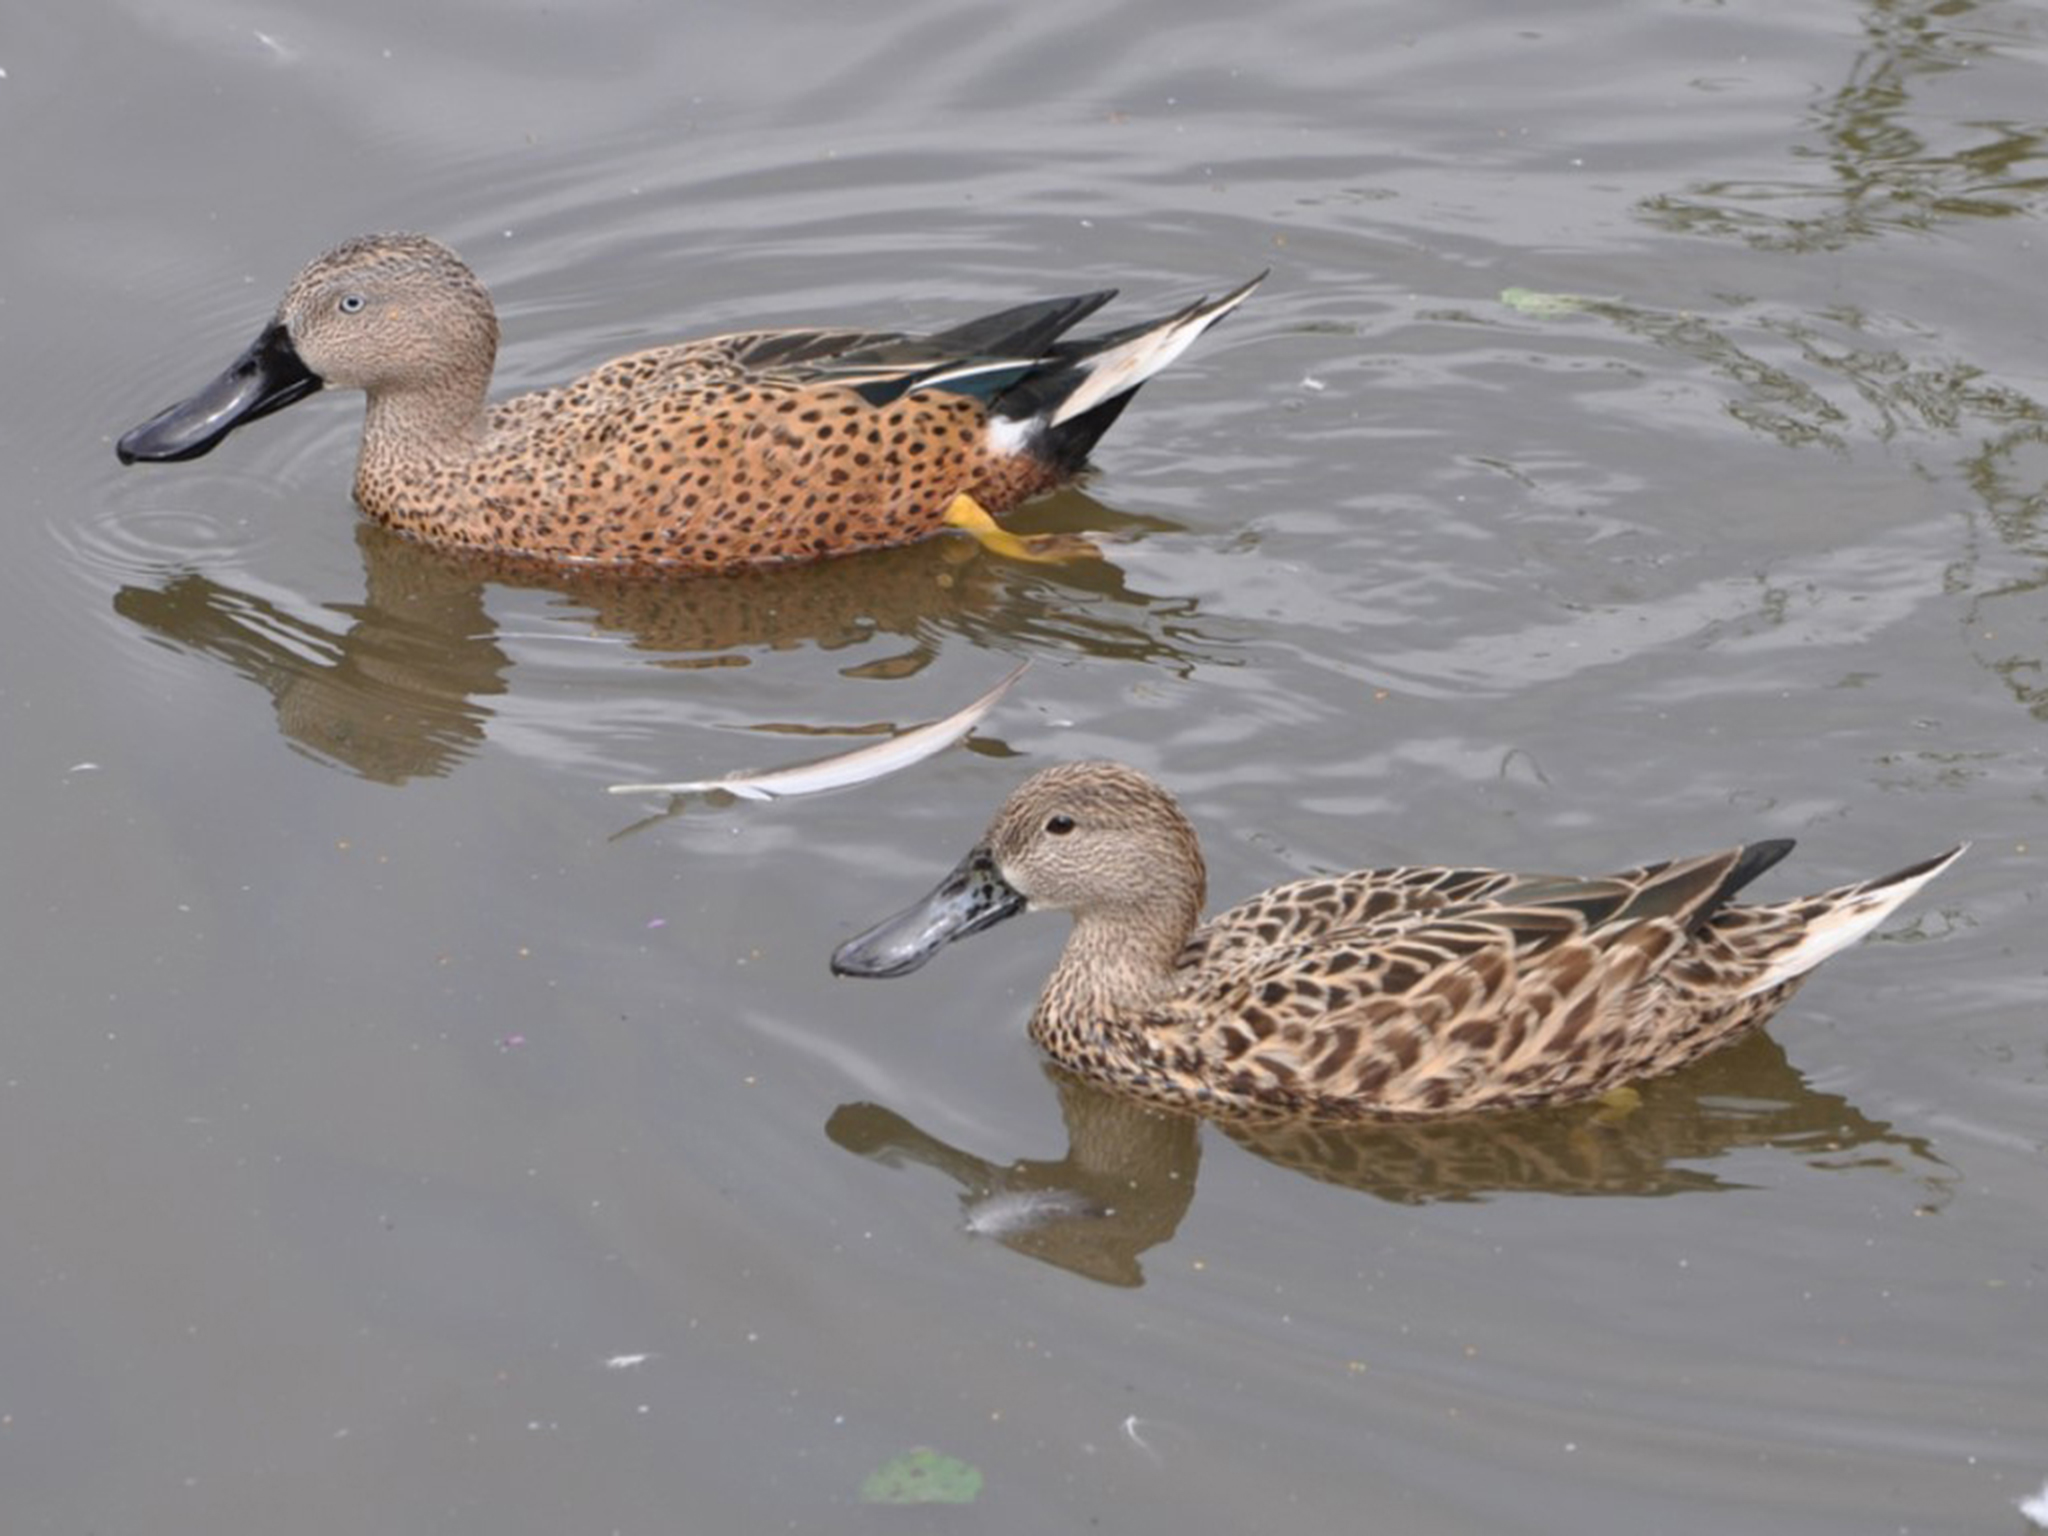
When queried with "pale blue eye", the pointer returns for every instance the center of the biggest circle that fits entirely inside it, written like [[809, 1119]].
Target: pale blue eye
[[351, 303]]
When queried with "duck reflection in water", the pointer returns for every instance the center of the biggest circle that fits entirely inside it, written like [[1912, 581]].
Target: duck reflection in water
[[1128, 1175], [397, 688]]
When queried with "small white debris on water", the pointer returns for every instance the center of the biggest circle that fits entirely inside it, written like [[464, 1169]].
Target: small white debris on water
[[2036, 1508], [1310, 381], [279, 51], [626, 1362], [1131, 1433]]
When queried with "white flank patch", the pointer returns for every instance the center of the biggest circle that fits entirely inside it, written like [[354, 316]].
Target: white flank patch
[[1009, 435]]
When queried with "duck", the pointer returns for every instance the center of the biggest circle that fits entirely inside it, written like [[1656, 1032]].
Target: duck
[[731, 451], [1382, 993]]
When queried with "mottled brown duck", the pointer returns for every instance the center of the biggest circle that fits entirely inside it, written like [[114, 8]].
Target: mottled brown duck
[[731, 451], [1382, 992]]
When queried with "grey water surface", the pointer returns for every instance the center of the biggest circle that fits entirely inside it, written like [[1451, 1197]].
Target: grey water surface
[[1638, 448]]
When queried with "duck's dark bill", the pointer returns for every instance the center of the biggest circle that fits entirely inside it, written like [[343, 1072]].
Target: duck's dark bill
[[268, 377], [973, 897]]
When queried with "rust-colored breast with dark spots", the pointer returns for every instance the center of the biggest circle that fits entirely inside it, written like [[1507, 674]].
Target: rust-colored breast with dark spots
[[637, 466]]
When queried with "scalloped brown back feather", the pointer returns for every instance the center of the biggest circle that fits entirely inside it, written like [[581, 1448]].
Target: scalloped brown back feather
[[1407, 991]]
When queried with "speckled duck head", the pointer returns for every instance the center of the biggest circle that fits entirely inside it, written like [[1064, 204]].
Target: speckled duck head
[[1097, 840], [400, 317]]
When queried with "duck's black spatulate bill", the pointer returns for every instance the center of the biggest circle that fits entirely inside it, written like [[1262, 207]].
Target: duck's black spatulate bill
[[268, 377], [973, 897]]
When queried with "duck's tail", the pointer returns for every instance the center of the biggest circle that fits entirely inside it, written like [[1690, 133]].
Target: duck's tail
[[1835, 919], [1062, 406]]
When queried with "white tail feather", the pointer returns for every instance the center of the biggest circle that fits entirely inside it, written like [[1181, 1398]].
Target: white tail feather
[[1859, 910], [1123, 368]]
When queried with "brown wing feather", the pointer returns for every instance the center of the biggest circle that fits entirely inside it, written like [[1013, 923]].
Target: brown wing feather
[[1426, 990]]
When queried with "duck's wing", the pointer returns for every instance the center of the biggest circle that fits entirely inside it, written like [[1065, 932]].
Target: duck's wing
[[1448, 988], [1367, 904], [711, 371], [984, 357]]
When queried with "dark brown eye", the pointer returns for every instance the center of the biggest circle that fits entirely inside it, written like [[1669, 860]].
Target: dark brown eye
[[1059, 826]]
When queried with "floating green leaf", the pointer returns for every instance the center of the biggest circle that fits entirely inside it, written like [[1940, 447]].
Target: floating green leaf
[[1528, 301], [922, 1476]]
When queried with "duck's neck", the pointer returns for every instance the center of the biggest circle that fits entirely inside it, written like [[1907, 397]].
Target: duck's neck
[[412, 439], [1117, 967], [445, 416]]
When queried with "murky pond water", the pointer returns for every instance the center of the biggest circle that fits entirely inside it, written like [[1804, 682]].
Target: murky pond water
[[1638, 448]]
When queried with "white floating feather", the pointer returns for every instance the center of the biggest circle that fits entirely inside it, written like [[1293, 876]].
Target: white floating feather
[[862, 766]]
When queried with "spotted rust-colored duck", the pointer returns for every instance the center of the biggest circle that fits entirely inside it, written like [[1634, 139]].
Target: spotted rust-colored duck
[[1381, 992], [732, 451]]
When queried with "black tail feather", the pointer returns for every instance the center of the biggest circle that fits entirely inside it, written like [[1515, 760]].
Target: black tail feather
[[1069, 367], [1029, 330], [1068, 445], [1755, 859]]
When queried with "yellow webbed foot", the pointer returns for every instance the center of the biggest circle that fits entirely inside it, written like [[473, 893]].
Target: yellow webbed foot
[[972, 519], [1617, 1104]]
